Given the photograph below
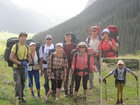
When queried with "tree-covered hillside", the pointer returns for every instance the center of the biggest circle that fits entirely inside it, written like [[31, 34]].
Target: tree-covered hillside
[[123, 13]]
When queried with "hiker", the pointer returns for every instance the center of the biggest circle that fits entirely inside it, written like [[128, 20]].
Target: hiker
[[68, 47], [56, 71], [120, 79], [20, 60], [107, 45], [33, 70], [81, 66], [43, 55], [93, 42]]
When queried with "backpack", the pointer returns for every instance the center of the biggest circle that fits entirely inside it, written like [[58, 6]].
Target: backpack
[[116, 73], [10, 42], [114, 33]]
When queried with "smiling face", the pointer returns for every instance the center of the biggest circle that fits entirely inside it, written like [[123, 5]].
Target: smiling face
[[32, 47], [94, 32], [48, 41], [120, 66], [59, 48], [82, 48], [105, 35], [68, 38], [22, 38]]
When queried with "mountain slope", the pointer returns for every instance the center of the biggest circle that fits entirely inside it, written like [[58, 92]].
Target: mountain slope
[[124, 13], [15, 19]]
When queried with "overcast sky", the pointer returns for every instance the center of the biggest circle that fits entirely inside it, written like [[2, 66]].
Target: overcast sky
[[63, 9]]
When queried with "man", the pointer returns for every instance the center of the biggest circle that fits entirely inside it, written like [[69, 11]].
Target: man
[[43, 55], [93, 42], [68, 47], [20, 55]]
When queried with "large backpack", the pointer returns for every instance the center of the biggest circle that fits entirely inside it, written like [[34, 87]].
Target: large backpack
[[114, 33], [9, 45]]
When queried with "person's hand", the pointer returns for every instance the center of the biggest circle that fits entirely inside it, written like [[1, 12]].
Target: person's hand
[[64, 78], [136, 78], [41, 74], [104, 80], [49, 77], [110, 43], [24, 63]]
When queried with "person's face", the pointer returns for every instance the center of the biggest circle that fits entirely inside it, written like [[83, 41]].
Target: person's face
[[59, 49], [22, 38], [94, 32], [48, 40], [82, 48], [67, 38], [105, 35], [32, 47], [120, 66]]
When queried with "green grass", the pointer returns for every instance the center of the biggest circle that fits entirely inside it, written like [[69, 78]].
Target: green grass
[[130, 90]]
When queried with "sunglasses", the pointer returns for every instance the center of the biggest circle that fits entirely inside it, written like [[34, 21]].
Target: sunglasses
[[81, 46], [48, 39], [94, 30]]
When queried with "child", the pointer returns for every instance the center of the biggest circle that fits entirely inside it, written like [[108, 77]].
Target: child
[[120, 77]]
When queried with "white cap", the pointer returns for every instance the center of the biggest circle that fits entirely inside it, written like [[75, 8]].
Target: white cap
[[120, 62], [106, 30], [48, 36], [59, 44], [32, 43]]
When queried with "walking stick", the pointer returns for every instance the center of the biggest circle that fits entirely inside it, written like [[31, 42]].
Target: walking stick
[[105, 90], [137, 91]]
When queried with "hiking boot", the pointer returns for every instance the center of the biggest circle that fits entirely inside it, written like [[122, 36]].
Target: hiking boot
[[71, 94], [84, 100], [121, 102], [57, 100], [39, 96], [117, 102], [91, 87], [75, 101]]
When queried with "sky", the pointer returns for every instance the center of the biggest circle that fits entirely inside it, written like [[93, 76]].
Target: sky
[[63, 9]]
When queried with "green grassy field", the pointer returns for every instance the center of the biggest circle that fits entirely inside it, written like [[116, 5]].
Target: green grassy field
[[7, 85], [130, 89]]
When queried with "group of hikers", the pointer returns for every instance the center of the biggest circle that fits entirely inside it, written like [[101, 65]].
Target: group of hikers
[[64, 64]]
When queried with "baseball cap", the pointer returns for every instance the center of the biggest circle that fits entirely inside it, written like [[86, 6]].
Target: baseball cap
[[48, 37]]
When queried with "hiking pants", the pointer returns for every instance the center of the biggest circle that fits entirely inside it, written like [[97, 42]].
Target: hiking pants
[[46, 83], [78, 80], [19, 78], [35, 74], [91, 75]]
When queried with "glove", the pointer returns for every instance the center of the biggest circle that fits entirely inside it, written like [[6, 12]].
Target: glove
[[24, 63]]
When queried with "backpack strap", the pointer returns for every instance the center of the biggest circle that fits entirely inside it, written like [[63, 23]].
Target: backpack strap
[[43, 47], [88, 40], [16, 51]]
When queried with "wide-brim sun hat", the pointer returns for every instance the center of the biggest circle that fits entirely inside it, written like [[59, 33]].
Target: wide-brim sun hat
[[59, 44], [82, 44], [120, 62]]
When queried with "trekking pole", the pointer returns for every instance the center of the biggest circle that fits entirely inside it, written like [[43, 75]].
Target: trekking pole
[[26, 84], [105, 91], [137, 82]]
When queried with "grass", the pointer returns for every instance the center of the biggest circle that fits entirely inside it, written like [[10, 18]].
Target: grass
[[7, 96], [130, 89]]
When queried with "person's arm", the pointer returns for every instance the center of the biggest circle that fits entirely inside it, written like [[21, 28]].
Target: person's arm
[[41, 60], [112, 72], [113, 45], [130, 71], [12, 55], [49, 67]]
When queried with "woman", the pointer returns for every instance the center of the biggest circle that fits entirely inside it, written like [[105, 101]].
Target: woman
[[120, 78], [57, 70], [33, 70], [107, 45], [82, 64]]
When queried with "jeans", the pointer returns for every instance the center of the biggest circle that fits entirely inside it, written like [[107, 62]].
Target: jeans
[[35, 74]]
